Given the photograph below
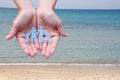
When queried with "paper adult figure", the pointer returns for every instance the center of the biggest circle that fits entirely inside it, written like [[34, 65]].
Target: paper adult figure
[[47, 36], [41, 34], [33, 34], [27, 37]]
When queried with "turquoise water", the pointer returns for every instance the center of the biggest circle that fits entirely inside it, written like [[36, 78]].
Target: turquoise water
[[94, 37]]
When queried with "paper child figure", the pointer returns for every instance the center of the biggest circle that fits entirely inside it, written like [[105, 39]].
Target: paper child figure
[[41, 34], [33, 34], [27, 37], [47, 36]]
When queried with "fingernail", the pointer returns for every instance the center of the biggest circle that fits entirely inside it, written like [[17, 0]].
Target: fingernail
[[7, 37], [65, 35], [47, 57]]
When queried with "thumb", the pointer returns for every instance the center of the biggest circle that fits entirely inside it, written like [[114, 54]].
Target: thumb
[[12, 33], [62, 31]]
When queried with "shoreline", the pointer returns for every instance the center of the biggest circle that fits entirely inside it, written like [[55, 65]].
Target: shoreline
[[61, 66]]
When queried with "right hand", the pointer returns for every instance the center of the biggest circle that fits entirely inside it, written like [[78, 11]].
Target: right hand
[[52, 24]]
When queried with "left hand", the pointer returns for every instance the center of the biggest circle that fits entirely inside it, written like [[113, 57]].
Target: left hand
[[24, 21]]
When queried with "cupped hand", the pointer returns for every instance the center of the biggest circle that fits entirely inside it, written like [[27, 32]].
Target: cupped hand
[[51, 23], [23, 23]]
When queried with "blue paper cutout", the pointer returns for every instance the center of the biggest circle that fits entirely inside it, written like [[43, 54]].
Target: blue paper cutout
[[27, 37], [33, 34], [41, 34], [47, 36]]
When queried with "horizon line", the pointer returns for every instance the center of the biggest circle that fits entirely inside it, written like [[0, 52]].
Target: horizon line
[[72, 8]]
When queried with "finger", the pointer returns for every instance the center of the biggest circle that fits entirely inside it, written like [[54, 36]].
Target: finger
[[41, 36], [37, 44], [23, 45], [47, 55], [12, 33], [55, 40], [40, 46], [34, 53], [44, 46], [30, 49], [62, 30]]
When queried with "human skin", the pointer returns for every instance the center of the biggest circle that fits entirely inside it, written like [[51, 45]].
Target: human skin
[[26, 19], [23, 22], [48, 19]]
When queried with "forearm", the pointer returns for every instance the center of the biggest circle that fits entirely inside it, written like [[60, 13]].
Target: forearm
[[23, 4], [47, 4]]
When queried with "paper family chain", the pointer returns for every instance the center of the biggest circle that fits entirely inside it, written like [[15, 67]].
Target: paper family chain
[[34, 34]]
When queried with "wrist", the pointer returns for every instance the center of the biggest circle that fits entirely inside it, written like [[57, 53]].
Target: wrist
[[45, 7], [47, 4], [45, 11], [25, 8], [28, 12], [23, 4], [28, 8]]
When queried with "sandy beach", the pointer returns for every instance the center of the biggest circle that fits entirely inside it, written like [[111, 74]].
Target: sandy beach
[[59, 72]]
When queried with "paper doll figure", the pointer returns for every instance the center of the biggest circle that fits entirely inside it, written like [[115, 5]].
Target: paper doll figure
[[27, 37], [33, 34], [41, 34], [47, 36]]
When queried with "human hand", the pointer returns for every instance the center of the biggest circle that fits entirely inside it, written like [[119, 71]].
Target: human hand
[[26, 19], [23, 22], [51, 23]]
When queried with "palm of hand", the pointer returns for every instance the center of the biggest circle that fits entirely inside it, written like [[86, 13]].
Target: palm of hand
[[23, 23], [50, 22]]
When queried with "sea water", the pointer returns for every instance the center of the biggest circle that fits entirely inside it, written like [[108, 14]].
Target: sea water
[[94, 37]]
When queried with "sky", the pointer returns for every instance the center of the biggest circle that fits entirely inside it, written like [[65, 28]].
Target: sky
[[73, 4]]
